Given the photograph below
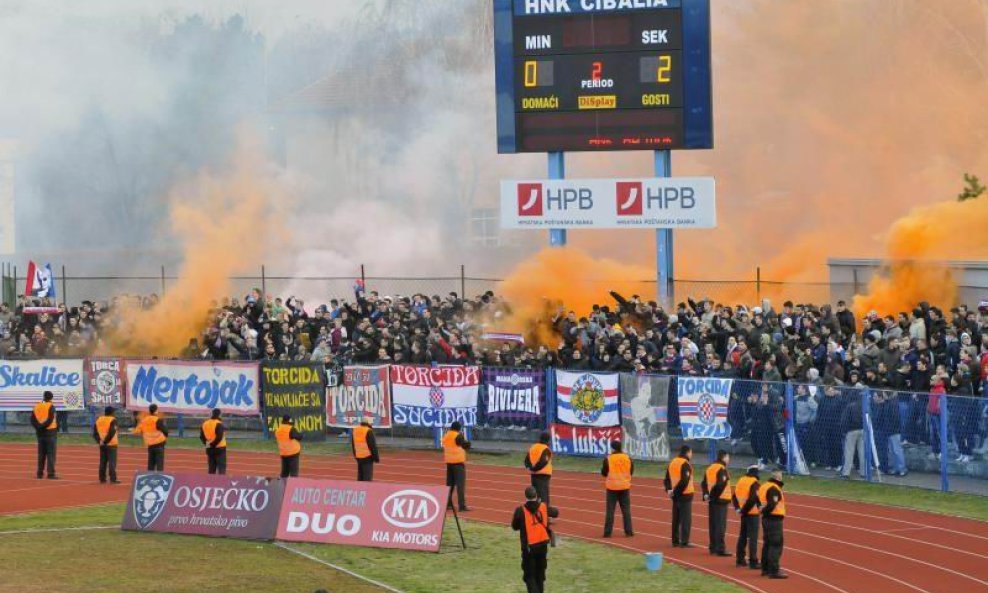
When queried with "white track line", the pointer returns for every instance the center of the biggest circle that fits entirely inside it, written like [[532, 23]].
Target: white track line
[[335, 567]]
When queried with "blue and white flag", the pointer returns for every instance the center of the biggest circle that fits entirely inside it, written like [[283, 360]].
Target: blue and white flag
[[40, 282], [703, 407], [587, 399]]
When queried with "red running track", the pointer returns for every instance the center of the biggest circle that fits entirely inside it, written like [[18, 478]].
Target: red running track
[[832, 546]]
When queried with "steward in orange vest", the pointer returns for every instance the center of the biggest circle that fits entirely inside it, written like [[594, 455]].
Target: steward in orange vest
[[746, 505], [618, 469], [289, 447], [531, 520], [773, 515], [155, 435], [105, 435], [679, 486], [716, 489], [455, 454], [538, 460], [212, 433], [364, 446], [46, 429]]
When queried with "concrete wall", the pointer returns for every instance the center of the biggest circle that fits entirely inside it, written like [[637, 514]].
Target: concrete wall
[[851, 276]]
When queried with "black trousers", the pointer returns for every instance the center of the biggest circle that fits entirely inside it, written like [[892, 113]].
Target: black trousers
[[47, 443], [456, 477], [771, 544], [541, 484], [533, 565], [107, 463], [156, 458], [682, 519], [365, 469], [216, 460], [290, 465], [614, 498], [748, 538], [717, 523]]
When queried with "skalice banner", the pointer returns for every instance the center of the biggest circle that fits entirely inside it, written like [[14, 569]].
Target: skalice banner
[[202, 504], [295, 389], [703, 407], [587, 399], [193, 387], [435, 396], [22, 384], [645, 416], [514, 397], [364, 393], [104, 383], [584, 441], [371, 514]]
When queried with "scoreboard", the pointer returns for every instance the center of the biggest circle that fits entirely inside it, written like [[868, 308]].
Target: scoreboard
[[592, 75]]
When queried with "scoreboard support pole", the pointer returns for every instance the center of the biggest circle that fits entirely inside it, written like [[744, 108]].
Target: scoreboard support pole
[[557, 170], [663, 241]]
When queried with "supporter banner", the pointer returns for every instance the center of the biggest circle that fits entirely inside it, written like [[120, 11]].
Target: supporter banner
[[104, 383], [435, 396], [193, 387], [295, 389], [583, 441], [370, 514], [23, 382], [514, 397], [645, 416], [587, 399], [203, 504], [365, 392], [703, 407]]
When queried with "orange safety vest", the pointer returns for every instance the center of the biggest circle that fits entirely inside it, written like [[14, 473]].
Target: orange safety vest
[[452, 452], [360, 448], [103, 424], [287, 446], [209, 430], [780, 508], [618, 472], [743, 491], [535, 453], [41, 412], [148, 429], [676, 473], [536, 525], [711, 477]]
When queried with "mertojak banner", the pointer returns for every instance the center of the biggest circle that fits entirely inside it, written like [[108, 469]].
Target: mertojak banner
[[583, 441], [514, 397], [364, 393], [703, 405], [203, 504], [193, 387], [435, 396], [587, 399], [104, 382], [22, 383], [295, 389], [645, 416]]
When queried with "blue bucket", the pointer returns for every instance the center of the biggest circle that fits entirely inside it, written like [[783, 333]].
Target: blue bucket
[[653, 561]]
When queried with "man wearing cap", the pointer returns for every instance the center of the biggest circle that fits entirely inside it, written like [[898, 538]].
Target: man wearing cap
[[773, 515], [155, 434], [212, 433], [746, 505], [538, 461], [105, 435], [455, 448], [679, 487], [716, 488], [617, 471], [364, 446], [289, 447], [46, 429], [531, 521]]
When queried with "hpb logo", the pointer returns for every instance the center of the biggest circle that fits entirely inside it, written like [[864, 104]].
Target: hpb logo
[[630, 198], [150, 496], [529, 199]]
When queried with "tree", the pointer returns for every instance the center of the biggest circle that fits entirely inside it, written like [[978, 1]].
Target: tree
[[973, 188]]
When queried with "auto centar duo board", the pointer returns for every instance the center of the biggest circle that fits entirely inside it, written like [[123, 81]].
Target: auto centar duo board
[[588, 75]]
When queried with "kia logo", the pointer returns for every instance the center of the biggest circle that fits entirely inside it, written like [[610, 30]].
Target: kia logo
[[529, 199], [410, 509], [630, 199]]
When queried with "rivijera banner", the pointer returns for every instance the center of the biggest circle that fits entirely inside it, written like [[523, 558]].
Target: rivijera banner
[[514, 397], [23, 382], [193, 387], [703, 407], [295, 389], [203, 504], [104, 383], [435, 396], [363, 393], [645, 416], [584, 441], [587, 399], [371, 514]]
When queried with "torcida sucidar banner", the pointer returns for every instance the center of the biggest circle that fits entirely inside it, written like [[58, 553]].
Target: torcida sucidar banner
[[645, 416], [365, 393], [22, 383], [703, 405], [203, 504], [193, 387], [296, 389], [104, 383], [514, 397], [585, 441], [587, 399], [371, 514], [435, 396]]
